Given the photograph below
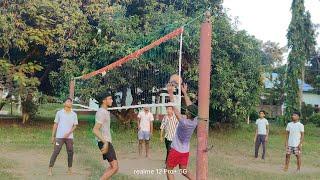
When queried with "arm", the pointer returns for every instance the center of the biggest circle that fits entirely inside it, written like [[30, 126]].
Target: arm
[[267, 136], [163, 125], [151, 127], [175, 110], [54, 130], [75, 123], [161, 135], [138, 126], [301, 139], [255, 135], [185, 94], [138, 121], [68, 133], [97, 133], [287, 136]]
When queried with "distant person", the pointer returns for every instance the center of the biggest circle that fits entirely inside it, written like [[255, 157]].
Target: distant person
[[103, 134], [145, 129], [27, 106], [261, 135], [168, 127], [65, 123], [294, 140]]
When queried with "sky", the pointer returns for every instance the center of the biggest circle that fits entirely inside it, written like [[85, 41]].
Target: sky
[[269, 19]]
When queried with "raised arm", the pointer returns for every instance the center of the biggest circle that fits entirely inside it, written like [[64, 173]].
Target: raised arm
[[170, 90], [184, 89]]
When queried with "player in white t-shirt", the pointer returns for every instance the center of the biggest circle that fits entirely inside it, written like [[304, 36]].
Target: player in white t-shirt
[[145, 128], [262, 134], [65, 123], [294, 140]]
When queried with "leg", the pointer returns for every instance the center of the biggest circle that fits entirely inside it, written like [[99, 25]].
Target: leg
[[168, 147], [140, 138], [298, 161], [169, 173], [263, 146], [23, 118], [256, 149], [27, 117], [57, 148], [286, 166], [113, 169], [69, 147], [140, 146], [147, 148], [185, 172]]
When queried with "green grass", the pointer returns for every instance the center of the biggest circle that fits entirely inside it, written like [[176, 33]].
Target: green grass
[[230, 158], [5, 166], [37, 138]]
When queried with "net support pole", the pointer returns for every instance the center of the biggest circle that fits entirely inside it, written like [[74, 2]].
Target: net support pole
[[180, 64], [204, 99]]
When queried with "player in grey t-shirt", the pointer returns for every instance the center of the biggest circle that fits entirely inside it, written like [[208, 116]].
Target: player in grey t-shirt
[[102, 132]]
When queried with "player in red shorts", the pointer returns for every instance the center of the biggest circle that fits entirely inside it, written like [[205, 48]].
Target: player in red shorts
[[179, 152]]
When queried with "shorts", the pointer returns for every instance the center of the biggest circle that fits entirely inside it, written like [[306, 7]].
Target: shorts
[[293, 150], [110, 155], [144, 135], [176, 158]]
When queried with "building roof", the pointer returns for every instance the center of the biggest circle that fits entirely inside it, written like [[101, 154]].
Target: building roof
[[268, 84]]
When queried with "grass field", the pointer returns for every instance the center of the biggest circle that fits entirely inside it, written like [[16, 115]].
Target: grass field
[[26, 151]]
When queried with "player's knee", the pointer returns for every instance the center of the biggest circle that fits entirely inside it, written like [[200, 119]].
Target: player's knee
[[147, 141], [70, 151]]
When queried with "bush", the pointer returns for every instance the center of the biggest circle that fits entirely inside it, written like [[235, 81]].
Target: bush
[[254, 115], [315, 119], [44, 99]]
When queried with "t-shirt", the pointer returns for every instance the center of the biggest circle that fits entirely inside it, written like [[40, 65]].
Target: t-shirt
[[181, 140], [145, 120], [262, 126], [103, 118], [295, 130], [65, 120], [169, 125]]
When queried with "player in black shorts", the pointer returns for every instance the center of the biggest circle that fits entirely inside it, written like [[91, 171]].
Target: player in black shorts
[[102, 132]]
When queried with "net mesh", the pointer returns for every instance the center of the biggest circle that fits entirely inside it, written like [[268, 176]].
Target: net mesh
[[140, 78]]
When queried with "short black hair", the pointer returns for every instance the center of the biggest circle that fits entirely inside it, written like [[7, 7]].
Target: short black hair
[[101, 96], [69, 98], [297, 113], [263, 111]]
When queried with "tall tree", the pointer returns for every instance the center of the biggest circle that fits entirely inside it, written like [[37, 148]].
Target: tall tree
[[301, 43]]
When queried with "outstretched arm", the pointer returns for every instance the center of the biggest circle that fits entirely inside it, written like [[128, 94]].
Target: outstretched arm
[[170, 89]]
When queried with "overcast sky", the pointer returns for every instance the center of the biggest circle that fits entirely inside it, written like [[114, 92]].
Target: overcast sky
[[269, 19]]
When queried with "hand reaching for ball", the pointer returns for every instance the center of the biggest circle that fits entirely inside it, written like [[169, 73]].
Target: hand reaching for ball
[[184, 88]]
